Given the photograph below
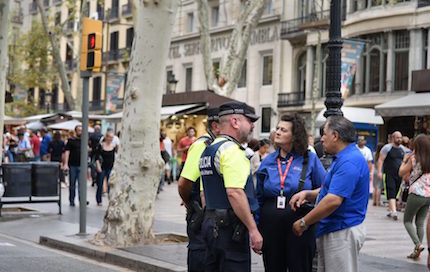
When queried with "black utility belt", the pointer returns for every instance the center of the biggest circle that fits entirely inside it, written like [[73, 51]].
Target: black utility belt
[[222, 217]]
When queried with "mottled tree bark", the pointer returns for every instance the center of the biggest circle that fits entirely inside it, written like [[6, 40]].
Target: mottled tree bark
[[238, 45], [138, 167], [4, 30]]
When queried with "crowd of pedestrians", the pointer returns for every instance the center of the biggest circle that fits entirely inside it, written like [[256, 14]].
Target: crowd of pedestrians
[[21, 145], [291, 200]]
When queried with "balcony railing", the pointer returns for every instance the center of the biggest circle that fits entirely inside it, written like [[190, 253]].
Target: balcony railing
[[116, 55], [423, 3], [114, 14], [32, 8], [126, 10], [291, 99], [55, 2], [313, 20], [96, 105]]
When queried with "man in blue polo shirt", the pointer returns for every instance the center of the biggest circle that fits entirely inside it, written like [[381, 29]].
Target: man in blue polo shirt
[[342, 200]]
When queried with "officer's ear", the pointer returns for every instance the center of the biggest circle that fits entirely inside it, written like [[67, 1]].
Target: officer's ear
[[234, 121]]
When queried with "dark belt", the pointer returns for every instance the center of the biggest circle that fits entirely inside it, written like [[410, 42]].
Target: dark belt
[[222, 217]]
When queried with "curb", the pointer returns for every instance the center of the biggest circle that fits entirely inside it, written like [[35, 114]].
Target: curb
[[79, 245]]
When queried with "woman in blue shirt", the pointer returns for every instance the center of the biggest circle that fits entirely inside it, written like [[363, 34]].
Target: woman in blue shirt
[[277, 180]]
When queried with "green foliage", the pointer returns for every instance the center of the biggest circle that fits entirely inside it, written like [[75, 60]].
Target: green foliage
[[22, 109], [32, 59]]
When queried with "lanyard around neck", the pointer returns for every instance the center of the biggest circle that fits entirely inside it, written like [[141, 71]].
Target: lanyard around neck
[[283, 176]]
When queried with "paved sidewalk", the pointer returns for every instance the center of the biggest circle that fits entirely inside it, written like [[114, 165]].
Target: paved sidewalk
[[385, 249]]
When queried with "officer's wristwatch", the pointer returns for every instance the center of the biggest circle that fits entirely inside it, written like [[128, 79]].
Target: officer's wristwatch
[[303, 224]]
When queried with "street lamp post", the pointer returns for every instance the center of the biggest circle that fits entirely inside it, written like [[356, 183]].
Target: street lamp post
[[48, 96], [172, 84], [333, 100]]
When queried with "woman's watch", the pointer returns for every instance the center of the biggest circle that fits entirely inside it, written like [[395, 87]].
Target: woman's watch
[[303, 224]]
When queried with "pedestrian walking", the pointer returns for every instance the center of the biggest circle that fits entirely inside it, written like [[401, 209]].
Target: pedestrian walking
[[416, 166], [189, 190], [72, 164], [93, 143], [390, 158], [24, 151], [55, 152], [377, 183], [229, 193], [35, 144], [258, 157], [342, 200], [185, 143], [46, 139], [291, 168], [105, 158]]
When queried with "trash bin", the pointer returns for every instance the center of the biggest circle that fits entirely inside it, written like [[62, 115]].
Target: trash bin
[[45, 178], [17, 179]]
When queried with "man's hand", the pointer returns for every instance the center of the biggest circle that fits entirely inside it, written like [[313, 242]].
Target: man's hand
[[256, 241], [379, 175], [298, 200], [65, 167], [297, 229]]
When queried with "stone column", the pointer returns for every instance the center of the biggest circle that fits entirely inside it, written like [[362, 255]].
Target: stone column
[[416, 53], [390, 62], [309, 71]]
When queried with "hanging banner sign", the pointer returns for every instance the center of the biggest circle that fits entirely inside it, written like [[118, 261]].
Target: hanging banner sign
[[114, 82], [351, 53]]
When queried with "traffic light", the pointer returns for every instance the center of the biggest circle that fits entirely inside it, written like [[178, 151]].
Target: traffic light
[[91, 47]]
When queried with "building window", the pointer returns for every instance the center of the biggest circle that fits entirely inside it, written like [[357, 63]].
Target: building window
[[242, 79], [215, 16], [87, 11], [267, 70], [114, 12], [301, 74], [269, 9], [188, 78], [401, 55], [374, 75], [373, 63], [130, 37], [169, 75], [100, 11], [266, 114], [190, 22], [97, 91], [425, 47], [41, 98], [30, 95]]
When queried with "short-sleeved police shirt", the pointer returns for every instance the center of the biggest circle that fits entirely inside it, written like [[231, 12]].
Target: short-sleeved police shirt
[[233, 164], [191, 169]]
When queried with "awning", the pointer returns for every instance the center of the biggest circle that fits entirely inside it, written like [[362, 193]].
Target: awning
[[165, 112], [356, 115], [68, 125], [416, 104]]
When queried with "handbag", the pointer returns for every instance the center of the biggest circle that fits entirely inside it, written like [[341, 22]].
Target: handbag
[[308, 206], [29, 155], [405, 192]]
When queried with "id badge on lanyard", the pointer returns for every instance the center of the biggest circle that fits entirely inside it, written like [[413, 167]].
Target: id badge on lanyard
[[281, 199]]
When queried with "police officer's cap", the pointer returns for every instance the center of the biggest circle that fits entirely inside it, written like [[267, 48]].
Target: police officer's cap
[[238, 108], [213, 114]]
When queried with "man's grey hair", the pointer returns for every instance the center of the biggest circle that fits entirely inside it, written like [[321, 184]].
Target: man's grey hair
[[343, 127]]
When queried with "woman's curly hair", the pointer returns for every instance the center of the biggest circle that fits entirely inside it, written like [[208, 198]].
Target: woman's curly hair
[[300, 135]]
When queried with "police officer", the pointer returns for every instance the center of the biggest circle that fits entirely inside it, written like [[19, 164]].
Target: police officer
[[229, 193], [189, 190]]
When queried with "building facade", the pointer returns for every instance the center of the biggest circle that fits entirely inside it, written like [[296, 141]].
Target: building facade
[[278, 73], [396, 37]]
